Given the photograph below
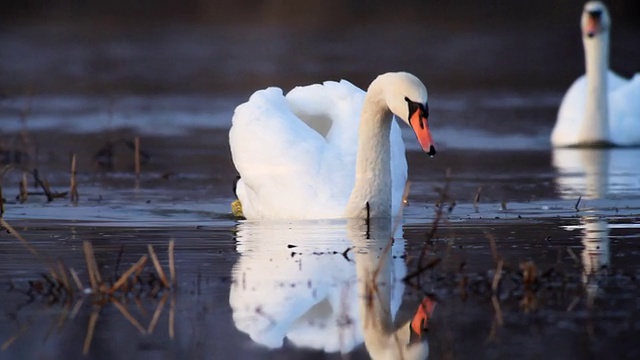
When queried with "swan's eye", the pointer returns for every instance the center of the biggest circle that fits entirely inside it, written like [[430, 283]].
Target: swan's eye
[[413, 107]]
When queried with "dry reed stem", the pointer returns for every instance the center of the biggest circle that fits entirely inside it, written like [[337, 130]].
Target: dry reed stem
[[24, 191], [127, 315], [76, 308], [172, 264], [138, 302], [125, 276], [12, 339], [24, 242], [73, 191], [476, 199], [64, 277], [573, 303], [496, 307], [90, 329], [156, 264], [444, 196], [573, 255], [494, 247], [92, 267], [43, 185], [172, 317], [76, 279], [137, 156], [496, 277], [156, 314], [1, 202]]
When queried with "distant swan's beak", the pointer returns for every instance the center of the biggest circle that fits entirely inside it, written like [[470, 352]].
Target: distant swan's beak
[[420, 125], [592, 26]]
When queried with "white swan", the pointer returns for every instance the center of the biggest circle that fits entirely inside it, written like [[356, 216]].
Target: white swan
[[307, 156], [600, 108]]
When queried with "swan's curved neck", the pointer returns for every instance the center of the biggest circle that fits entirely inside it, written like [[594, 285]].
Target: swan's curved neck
[[595, 127], [371, 195]]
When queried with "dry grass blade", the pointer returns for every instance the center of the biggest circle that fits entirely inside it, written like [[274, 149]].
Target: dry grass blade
[[43, 185], [172, 262], [1, 202], [156, 314], [76, 279], [498, 310], [126, 274], [24, 191], [90, 330], [137, 156], [496, 277], [73, 190], [573, 304], [31, 249], [494, 247], [476, 199], [15, 234], [573, 255], [63, 276], [76, 308], [156, 264], [127, 315], [92, 267], [12, 339], [172, 317]]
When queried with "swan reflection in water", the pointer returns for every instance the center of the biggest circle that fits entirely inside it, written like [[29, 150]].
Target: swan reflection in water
[[596, 173], [298, 281]]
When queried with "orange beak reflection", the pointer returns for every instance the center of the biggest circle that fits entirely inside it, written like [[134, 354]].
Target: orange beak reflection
[[420, 125]]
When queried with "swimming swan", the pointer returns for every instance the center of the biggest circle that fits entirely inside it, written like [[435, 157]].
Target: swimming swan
[[327, 151], [600, 108]]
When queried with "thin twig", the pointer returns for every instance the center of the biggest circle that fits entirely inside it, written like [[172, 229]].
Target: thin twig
[[172, 265], [156, 314], [73, 191], [127, 315], [578, 203], [92, 267], [137, 156], [156, 264], [172, 317], [92, 325], [476, 198], [126, 274], [76, 279]]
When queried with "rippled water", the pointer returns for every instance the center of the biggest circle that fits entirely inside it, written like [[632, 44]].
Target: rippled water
[[303, 290]]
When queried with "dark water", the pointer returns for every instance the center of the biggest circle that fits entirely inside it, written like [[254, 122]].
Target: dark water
[[292, 290]]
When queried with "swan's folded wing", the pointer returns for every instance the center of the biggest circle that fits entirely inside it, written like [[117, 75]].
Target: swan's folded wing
[[624, 112], [570, 114], [275, 153]]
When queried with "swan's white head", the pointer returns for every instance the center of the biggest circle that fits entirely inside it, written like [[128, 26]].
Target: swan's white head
[[595, 20], [406, 96]]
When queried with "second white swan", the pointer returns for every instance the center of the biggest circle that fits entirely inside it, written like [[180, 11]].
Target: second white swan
[[601, 108]]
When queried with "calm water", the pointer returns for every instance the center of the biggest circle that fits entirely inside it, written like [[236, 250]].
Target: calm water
[[286, 290]]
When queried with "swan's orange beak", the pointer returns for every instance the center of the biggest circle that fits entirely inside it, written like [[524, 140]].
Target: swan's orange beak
[[592, 24], [420, 125], [420, 321]]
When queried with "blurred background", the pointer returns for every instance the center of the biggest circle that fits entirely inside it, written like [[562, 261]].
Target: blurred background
[[233, 47]]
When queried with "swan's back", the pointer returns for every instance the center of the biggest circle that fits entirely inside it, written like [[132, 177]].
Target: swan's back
[[296, 154]]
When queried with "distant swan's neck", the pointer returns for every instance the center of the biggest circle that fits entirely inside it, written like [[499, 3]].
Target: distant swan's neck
[[371, 194], [595, 127]]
